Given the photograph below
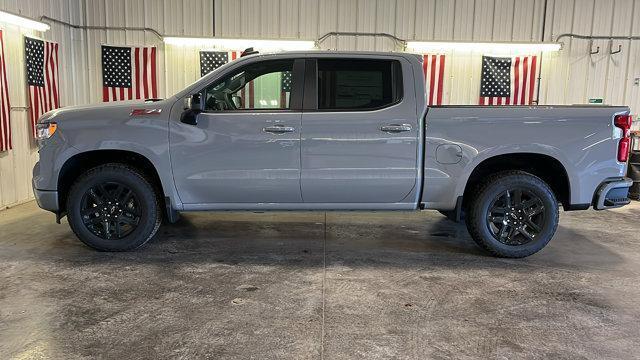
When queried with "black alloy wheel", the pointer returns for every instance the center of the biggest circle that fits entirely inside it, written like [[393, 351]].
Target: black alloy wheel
[[515, 217], [110, 210], [512, 214], [114, 207]]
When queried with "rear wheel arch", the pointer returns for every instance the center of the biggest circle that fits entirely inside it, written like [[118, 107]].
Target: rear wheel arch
[[80, 163], [547, 168]]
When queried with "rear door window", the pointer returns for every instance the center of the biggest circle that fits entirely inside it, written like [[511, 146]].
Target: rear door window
[[358, 84]]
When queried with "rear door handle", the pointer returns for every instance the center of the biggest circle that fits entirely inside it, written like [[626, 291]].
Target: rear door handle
[[395, 128], [278, 129]]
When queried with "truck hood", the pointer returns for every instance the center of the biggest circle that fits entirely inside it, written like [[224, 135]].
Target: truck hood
[[111, 111]]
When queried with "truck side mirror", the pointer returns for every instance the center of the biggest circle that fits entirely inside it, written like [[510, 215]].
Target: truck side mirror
[[193, 102], [193, 106]]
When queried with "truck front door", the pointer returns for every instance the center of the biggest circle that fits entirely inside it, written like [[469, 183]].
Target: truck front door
[[244, 146], [359, 131]]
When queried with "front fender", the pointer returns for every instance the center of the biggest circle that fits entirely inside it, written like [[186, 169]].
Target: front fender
[[109, 128]]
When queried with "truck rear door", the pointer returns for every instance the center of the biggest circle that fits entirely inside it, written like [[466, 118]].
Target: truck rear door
[[359, 131]]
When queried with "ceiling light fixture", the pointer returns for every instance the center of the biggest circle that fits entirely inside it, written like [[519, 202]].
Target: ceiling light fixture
[[484, 47], [234, 44], [22, 21]]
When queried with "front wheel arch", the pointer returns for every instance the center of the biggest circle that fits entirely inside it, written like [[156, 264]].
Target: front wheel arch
[[80, 163]]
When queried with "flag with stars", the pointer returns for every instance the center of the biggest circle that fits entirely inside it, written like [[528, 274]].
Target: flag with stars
[[285, 89], [128, 73], [41, 58], [508, 80], [211, 60], [5, 106]]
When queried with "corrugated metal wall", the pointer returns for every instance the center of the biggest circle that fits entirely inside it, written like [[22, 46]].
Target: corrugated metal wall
[[16, 164], [569, 76]]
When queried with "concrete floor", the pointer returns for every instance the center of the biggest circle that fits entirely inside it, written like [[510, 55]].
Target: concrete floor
[[376, 286]]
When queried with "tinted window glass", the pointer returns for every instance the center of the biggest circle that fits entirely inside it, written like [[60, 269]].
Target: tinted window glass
[[358, 84], [264, 85]]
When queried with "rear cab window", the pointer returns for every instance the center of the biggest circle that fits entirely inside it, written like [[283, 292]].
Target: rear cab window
[[358, 84]]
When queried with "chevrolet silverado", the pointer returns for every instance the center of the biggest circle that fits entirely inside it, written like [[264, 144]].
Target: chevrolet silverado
[[327, 131]]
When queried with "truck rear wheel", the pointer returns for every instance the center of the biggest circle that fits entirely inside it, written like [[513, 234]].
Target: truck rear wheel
[[513, 214], [113, 207]]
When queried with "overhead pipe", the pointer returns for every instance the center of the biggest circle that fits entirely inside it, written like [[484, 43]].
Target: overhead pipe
[[594, 37], [45, 18], [398, 41]]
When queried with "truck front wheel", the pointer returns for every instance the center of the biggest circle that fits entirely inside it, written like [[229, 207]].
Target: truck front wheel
[[113, 207], [512, 214]]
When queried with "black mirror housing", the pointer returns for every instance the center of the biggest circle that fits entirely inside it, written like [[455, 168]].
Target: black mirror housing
[[195, 102], [193, 107]]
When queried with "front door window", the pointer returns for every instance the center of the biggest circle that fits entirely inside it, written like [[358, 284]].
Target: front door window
[[264, 85]]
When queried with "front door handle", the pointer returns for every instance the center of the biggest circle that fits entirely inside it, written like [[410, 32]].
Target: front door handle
[[395, 128], [278, 129]]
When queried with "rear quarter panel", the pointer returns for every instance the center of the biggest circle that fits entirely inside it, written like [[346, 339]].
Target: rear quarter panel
[[582, 138]]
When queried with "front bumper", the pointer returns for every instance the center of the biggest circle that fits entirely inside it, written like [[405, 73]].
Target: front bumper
[[47, 199], [612, 193]]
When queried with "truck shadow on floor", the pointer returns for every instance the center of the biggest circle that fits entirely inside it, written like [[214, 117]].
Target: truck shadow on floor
[[436, 241], [298, 240]]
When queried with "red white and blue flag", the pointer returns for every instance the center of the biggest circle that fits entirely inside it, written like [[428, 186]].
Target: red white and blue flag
[[41, 58], [129, 73], [5, 106], [508, 80], [285, 89], [433, 67], [211, 60]]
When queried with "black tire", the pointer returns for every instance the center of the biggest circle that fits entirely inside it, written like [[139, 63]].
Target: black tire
[[136, 215], [522, 230]]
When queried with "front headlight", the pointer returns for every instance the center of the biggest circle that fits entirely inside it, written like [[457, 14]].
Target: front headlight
[[45, 130]]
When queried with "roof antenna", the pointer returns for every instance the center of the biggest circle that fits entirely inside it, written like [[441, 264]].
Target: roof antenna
[[248, 51]]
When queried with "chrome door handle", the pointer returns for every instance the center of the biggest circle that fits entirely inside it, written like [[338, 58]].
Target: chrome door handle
[[395, 128], [278, 129]]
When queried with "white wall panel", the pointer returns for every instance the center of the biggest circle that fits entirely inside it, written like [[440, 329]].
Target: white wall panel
[[569, 76], [444, 18], [366, 20], [424, 20], [16, 164], [616, 77], [405, 18]]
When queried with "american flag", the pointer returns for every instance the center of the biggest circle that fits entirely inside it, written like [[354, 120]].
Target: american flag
[[5, 106], [507, 80], [285, 89], [211, 60], [128, 73], [41, 58], [433, 67]]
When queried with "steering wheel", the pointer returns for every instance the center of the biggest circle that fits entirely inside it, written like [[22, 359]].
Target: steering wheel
[[228, 97]]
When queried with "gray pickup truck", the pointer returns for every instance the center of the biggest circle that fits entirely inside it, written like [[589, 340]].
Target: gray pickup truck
[[327, 131]]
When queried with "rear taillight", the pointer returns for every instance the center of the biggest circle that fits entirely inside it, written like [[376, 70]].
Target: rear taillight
[[623, 122]]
